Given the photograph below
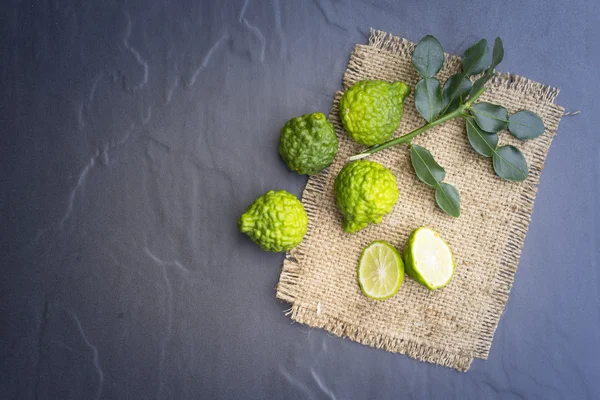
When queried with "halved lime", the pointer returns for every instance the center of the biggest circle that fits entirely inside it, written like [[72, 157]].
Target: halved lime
[[380, 271], [428, 258]]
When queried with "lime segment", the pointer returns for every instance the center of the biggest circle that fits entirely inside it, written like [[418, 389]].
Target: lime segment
[[380, 271], [428, 258]]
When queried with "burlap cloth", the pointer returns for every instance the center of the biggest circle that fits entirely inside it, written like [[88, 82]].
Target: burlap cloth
[[452, 325]]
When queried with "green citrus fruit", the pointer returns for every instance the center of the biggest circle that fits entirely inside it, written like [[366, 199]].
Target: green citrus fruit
[[364, 192], [308, 144], [371, 110], [276, 221], [380, 271], [428, 258]]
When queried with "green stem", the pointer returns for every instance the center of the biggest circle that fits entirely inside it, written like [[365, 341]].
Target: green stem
[[407, 138], [475, 96]]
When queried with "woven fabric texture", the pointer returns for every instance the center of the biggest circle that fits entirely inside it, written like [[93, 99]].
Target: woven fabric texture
[[453, 325]]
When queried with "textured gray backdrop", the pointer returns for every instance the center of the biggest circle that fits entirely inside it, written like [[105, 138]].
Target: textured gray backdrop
[[134, 133]]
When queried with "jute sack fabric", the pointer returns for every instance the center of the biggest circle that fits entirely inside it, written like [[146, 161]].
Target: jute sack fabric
[[448, 326]]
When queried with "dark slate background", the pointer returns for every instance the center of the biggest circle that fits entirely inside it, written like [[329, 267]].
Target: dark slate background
[[133, 135]]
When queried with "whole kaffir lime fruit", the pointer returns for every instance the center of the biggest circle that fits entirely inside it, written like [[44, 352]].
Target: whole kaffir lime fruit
[[371, 110], [308, 144], [276, 221], [364, 192]]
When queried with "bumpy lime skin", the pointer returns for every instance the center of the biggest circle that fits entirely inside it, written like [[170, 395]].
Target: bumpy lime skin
[[276, 221], [364, 192], [308, 144], [371, 110]]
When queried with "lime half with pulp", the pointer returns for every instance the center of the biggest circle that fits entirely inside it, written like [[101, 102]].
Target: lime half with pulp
[[428, 258], [380, 271]]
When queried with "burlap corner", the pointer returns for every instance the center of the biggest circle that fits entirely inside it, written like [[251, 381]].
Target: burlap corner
[[455, 324]]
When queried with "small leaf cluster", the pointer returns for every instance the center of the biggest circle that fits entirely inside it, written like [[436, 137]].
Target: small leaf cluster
[[456, 98]]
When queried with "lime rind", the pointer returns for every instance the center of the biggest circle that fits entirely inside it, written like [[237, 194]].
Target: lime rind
[[365, 191], [276, 221], [424, 248], [372, 256], [371, 110], [308, 144]]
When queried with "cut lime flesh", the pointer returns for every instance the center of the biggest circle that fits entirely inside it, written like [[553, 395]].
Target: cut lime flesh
[[380, 271], [428, 258]]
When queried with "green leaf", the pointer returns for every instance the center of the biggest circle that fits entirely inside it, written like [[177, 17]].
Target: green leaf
[[490, 117], [430, 172], [525, 125], [448, 199], [510, 164], [497, 56], [426, 168], [428, 98], [482, 142], [428, 57], [476, 58], [497, 53], [455, 89]]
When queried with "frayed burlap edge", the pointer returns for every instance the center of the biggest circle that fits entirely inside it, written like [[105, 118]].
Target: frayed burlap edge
[[311, 315], [306, 315]]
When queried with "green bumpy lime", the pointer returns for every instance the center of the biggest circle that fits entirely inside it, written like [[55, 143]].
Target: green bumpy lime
[[364, 192], [276, 221], [308, 144], [371, 110]]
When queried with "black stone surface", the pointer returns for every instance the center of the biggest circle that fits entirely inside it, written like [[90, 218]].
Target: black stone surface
[[134, 134]]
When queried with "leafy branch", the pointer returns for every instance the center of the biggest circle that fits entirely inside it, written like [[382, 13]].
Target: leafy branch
[[457, 98]]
